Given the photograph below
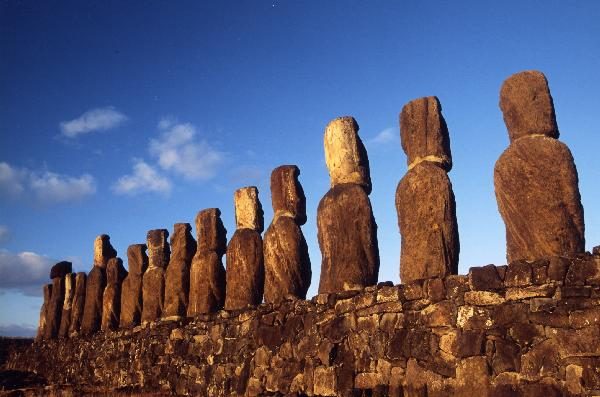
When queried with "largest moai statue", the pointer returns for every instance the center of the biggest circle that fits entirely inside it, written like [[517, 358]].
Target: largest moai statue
[[535, 179], [287, 264], [131, 289], [207, 274], [177, 278], [111, 299], [78, 304], [47, 294], [95, 284], [153, 289], [245, 263], [424, 197], [54, 308], [67, 309], [347, 231]]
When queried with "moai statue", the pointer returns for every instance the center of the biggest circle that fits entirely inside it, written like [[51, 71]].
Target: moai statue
[[95, 284], [78, 304], [177, 277], [54, 308], [346, 228], [111, 299], [245, 265], [42, 326], [153, 289], [131, 290], [287, 264], [67, 309], [207, 274], [424, 197], [535, 179]]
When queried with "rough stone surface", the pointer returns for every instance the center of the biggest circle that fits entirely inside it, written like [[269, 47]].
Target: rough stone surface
[[424, 133], [245, 270], [54, 308], [131, 289], [207, 274], [61, 269], [111, 299], [370, 342], [345, 154], [177, 278], [538, 197], [347, 235], [427, 221], [47, 293], [103, 250], [78, 303], [527, 106], [67, 308], [248, 209], [153, 288], [287, 264], [94, 290]]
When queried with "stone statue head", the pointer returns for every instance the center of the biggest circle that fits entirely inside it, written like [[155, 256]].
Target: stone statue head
[[248, 210], [287, 195]]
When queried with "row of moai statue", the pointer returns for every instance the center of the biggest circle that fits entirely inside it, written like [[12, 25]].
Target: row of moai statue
[[536, 188]]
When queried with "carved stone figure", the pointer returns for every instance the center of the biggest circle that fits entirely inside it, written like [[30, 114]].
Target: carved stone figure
[[207, 274], [131, 289], [47, 292], [347, 231], [177, 279], [245, 265], [535, 179], [65, 317], [424, 197], [153, 290], [78, 304], [287, 264], [111, 301], [54, 308]]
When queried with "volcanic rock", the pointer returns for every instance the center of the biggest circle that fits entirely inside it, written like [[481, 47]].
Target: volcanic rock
[[47, 292], [61, 269], [54, 308], [177, 279], [153, 290], [111, 301], [65, 317], [94, 290], [131, 289], [78, 303], [103, 250]]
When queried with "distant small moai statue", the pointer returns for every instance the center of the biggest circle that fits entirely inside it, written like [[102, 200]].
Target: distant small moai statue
[[177, 277], [535, 179], [287, 264], [424, 197], [67, 309], [153, 291], [111, 301], [347, 231], [245, 263], [207, 274], [78, 304], [54, 309], [95, 284], [131, 289], [47, 293]]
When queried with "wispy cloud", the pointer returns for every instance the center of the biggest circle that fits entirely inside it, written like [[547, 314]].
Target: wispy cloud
[[4, 233], [387, 135], [18, 330], [178, 150], [98, 119], [24, 272], [44, 186], [144, 178]]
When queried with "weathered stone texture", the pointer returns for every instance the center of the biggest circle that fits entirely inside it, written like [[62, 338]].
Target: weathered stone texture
[[65, 317], [131, 289], [347, 235], [535, 179], [94, 290], [207, 274], [177, 278], [424, 133], [47, 293], [60, 269], [245, 275], [248, 210], [345, 154], [54, 308], [427, 221], [287, 264], [153, 291], [78, 303], [111, 300], [103, 250]]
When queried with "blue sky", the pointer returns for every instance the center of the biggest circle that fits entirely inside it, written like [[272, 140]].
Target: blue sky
[[120, 117]]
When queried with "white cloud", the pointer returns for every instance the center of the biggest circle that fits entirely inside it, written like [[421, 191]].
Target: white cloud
[[45, 186], [99, 119], [144, 178], [24, 272], [177, 150], [385, 136], [18, 330], [4, 233]]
